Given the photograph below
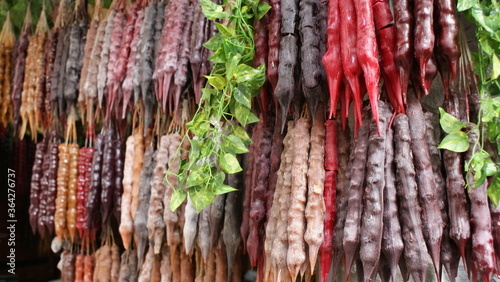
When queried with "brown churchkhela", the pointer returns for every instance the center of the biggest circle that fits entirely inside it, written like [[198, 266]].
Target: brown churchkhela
[[392, 242], [352, 223], [373, 205], [409, 208], [342, 195], [431, 213], [483, 252], [257, 213]]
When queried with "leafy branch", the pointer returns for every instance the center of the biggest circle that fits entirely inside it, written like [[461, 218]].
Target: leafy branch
[[225, 106], [481, 163], [486, 16]]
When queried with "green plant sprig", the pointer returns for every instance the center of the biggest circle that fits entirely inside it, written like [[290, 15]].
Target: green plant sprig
[[481, 163], [485, 15], [225, 107]]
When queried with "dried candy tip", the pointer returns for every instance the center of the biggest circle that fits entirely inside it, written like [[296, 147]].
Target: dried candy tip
[[313, 254]]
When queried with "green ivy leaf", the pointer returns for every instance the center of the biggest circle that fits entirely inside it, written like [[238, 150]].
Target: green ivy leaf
[[231, 66], [241, 114], [207, 147], [253, 78], [249, 92], [244, 115], [195, 178], [496, 103], [494, 191], [487, 110], [207, 93], [232, 144], [463, 5], [242, 97], [218, 82], [227, 31], [199, 125], [478, 159], [229, 163], [219, 178], [194, 150], [449, 123], [252, 118], [478, 60], [495, 72], [493, 129], [490, 168], [456, 142], [223, 189], [480, 14], [482, 166], [240, 132], [218, 56], [479, 178], [262, 9], [214, 42], [201, 198], [213, 11], [178, 197]]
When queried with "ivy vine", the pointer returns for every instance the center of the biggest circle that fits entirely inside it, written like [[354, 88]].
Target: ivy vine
[[225, 106], [485, 14]]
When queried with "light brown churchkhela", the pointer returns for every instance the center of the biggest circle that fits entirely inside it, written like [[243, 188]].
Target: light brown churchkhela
[[155, 223], [155, 272], [166, 272], [7, 42], [115, 263], [88, 266], [280, 245], [102, 271], [30, 113], [315, 208], [126, 223], [104, 59], [296, 254], [62, 191], [79, 268], [136, 170], [147, 267], [72, 189], [87, 50]]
